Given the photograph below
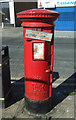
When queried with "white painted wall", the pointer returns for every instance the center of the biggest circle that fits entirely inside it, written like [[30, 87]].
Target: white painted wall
[[12, 14]]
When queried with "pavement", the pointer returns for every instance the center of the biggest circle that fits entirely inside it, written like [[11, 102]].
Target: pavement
[[63, 85]]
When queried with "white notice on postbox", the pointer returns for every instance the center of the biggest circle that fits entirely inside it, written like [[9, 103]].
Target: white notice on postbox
[[38, 35]]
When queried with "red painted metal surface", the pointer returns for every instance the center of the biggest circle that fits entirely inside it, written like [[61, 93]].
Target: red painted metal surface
[[38, 13], [38, 73], [36, 17]]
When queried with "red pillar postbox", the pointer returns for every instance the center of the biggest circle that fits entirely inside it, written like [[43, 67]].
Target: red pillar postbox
[[38, 39]]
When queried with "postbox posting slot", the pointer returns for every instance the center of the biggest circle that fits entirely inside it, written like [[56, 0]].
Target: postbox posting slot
[[38, 49]]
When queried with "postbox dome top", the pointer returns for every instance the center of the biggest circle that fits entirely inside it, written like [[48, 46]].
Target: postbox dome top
[[38, 13]]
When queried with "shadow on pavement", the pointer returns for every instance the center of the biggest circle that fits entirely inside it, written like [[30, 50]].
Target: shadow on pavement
[[58, 94], [16, 93], [63, 90]]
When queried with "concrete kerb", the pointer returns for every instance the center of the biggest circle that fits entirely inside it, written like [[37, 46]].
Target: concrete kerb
[[65, 34]]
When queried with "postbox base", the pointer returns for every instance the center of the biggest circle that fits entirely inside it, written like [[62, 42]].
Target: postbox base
[[38, 107]]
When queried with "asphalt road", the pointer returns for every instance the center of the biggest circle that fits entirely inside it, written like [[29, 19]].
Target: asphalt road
[[63, 53]]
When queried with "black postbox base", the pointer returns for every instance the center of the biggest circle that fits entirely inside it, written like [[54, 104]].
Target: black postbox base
[[38, 107]]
